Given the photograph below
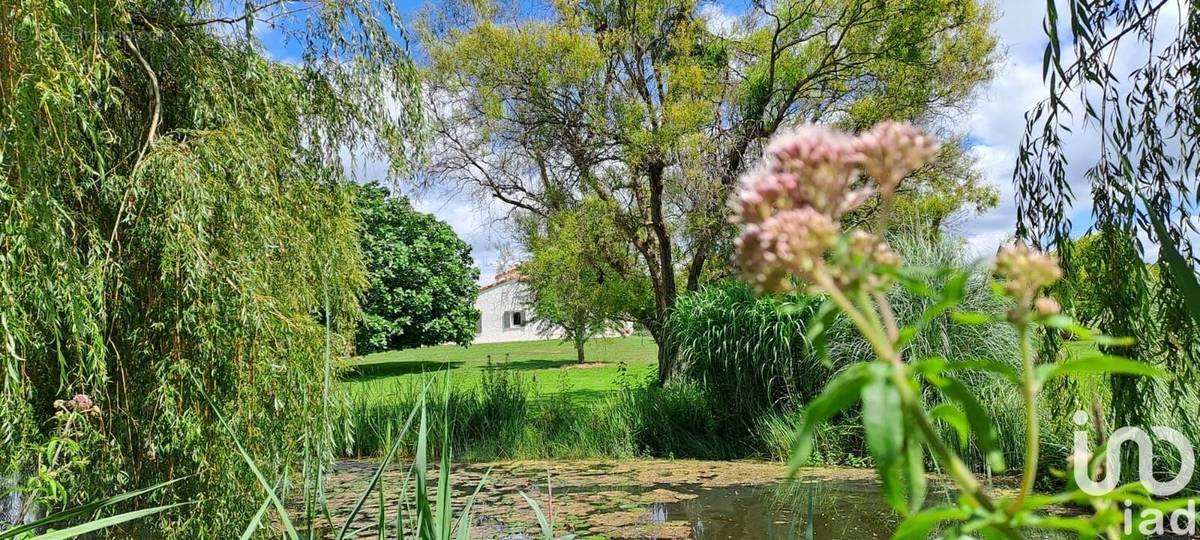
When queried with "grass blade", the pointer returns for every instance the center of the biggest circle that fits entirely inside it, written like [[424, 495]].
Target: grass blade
[[257, 521], [362, 499], [262, 480], [547, 530], [104, 523], [464, 520], [82, 510]]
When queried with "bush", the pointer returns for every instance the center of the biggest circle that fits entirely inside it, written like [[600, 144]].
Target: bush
[[496, 420], [748, 354]]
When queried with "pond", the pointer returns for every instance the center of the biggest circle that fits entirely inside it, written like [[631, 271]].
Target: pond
[[655, 499]]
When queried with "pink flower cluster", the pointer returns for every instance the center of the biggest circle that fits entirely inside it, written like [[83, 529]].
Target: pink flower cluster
[[790, 206], [891, 150], [1025, 272], [81, 403]]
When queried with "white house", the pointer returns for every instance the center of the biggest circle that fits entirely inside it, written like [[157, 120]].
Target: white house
[[504, 312]]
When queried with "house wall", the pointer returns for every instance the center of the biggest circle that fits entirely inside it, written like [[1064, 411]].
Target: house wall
[[495, 305]]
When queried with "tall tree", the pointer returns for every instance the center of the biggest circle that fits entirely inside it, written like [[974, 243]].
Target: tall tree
[[1142, 184], [176, 239], [574, 282], [654, 108], [422, 280]]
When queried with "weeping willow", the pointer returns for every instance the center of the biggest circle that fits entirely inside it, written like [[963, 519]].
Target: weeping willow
[[1130, 70], [174, 228]]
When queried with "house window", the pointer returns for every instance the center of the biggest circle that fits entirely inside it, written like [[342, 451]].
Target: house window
[[518, 319]]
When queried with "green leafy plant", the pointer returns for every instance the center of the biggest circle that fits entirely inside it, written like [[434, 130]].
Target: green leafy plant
[[790, 209], [174, 204], [421, 286]]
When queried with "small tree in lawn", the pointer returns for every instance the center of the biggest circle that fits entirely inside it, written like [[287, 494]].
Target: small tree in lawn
[[422, 279], [573, 285]]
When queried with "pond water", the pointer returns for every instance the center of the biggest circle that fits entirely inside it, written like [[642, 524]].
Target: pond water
[[654, 499]]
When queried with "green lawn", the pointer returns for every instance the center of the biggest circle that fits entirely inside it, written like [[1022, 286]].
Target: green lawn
[[547, 364]]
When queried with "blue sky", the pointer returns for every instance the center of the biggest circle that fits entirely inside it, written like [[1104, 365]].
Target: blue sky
[[993, 124]]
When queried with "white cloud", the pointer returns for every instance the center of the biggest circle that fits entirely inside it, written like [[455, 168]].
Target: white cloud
[[478, 222], [720, 21], [997, 122]]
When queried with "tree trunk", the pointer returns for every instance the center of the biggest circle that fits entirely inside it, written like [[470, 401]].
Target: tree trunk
[[666, 352], [666, 289], [579, 349]]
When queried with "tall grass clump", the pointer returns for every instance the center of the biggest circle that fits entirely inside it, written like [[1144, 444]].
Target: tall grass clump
[[746, 354], [500, 418], [682, 418], [173, 207], [423, 511]]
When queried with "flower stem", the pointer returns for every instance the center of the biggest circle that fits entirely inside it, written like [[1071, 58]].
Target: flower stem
[[954, 465], [1029, 393]]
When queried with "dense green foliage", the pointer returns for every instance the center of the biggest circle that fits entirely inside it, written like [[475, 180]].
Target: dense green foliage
[[748, 351], [655, 110], [421, 288], [174, 225], [756, 356], [503, 418]]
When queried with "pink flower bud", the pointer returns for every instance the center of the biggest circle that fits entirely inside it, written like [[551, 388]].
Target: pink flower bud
[[1046, 306], [81, 402]]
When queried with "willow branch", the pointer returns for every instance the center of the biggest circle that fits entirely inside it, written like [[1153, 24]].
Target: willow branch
[[157, 110]]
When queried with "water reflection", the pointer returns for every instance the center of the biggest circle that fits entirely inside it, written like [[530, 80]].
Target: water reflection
[[777, 512]]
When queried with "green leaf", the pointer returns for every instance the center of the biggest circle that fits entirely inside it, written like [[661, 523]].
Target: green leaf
[[841, 391], [916, 280], [256, 521], [1181, 270], [817, 326], [972, 318], [955, 288], [104, 523], [883, 423], [1098, 365], [547, 531], [918, 526], [956, 419], [1065, 323], [1002, 369], [981, 422], [917, 484], [83, 510], [464, 519], [950, 296]]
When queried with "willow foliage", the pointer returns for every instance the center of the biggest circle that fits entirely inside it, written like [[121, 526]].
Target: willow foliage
[[1128, 69], [173, 210]]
